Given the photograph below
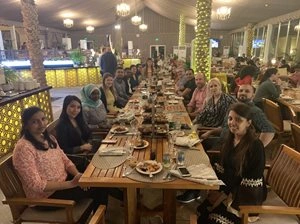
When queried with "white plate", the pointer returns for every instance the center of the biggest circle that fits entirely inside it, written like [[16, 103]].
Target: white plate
[[295, 102], [145, 145], [169, 93], [173, 101], [115, 131], [147, 172]]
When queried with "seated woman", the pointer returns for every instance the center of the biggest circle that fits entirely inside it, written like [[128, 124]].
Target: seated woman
[[148, 70], [93, 109], [44, 170], [269, 87], [241, 168], [73, 134], [216, 106], [108, 94]]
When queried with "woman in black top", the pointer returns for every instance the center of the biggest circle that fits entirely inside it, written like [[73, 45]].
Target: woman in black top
[[241, 169], [73, 134]]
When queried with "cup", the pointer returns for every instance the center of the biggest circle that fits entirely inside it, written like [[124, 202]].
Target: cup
[[180, 158], [166, 160], [177, 125]]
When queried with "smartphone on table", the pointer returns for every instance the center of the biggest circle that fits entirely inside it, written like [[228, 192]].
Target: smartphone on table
[[184, 171]]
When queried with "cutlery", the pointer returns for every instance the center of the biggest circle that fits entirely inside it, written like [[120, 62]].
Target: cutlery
[[112, 135], [126, 173]]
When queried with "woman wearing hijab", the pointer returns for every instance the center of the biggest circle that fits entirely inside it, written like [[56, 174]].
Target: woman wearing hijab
[[93, 109]]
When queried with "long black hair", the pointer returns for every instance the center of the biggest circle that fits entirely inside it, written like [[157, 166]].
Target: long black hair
[[79, 118], [26, 116], [269, 72], [245, 143]]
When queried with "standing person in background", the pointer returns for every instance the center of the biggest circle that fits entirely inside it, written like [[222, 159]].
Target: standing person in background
[[108, 96], [44, 170], [103, 50], [93, 109], [108, 62], [148, 70], [269, 87]]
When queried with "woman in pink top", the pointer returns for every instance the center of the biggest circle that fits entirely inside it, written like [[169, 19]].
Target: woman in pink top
[[44, 169]]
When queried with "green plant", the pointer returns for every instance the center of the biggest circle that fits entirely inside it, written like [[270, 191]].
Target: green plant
[[77, 57], [10, 75]]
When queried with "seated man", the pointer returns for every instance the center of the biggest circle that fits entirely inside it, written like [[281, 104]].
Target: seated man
[[260, 122], [180, 79], [188, 88], [196, 103], [120, 87]]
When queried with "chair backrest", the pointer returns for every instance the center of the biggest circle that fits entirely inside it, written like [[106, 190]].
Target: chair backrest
[[273, 113], [51, 127], [11, 185], [284, 176], [296, 135]]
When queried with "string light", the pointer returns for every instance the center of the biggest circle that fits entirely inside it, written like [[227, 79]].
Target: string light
[[181, 38], [202, 60]]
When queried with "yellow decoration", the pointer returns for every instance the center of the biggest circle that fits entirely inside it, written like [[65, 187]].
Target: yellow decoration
[[202, 61], [181, 38]]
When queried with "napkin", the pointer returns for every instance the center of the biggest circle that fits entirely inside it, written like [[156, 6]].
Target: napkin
[[178, 98], [186, 141], [200, 173], [125, 117], [112, 151]]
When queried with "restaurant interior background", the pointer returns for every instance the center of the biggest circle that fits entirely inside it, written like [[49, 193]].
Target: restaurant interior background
[[273, 24]]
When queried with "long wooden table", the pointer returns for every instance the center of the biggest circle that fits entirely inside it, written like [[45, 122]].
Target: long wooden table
[[95, 177]]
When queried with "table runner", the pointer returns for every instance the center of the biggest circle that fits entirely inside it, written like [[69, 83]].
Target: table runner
[[108, 162]]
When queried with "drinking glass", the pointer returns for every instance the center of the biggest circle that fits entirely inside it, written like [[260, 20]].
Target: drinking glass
[[180, 158], [166, 160]]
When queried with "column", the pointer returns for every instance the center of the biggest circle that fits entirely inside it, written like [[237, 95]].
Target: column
[[181, 38], [267, 43], [31, 27], [249, 39], [202, 61]]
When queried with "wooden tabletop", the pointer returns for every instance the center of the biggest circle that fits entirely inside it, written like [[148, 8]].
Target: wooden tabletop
[[95, 177]]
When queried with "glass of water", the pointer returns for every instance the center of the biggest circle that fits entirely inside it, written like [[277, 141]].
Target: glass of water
[[180, 158], [166, 160]]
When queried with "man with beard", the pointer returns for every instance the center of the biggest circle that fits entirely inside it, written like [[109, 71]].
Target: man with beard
[[213, 138], [196, 104], [261, 124], [120, 88]]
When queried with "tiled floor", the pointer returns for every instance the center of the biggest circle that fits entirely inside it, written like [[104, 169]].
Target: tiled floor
[[115, 210]]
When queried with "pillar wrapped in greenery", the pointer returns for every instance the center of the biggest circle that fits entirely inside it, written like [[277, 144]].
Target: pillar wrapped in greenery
[[181, 38], [202, 61], [249, 39], [31, 27]]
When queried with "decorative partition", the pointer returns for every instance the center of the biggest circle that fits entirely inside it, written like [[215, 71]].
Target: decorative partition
[[70, 77], [10, 115]]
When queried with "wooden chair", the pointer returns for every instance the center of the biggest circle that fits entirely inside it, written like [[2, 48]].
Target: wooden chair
[[282, 127], [296, 135], [284, 197], [68, 211], [98, 217], [193, 219]]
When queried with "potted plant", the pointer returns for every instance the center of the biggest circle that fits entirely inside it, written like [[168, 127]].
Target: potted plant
[[77, 57]]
